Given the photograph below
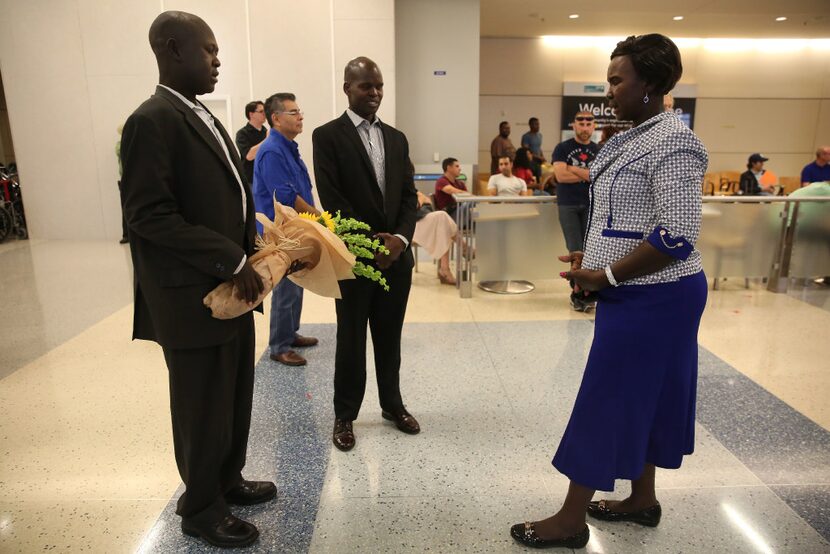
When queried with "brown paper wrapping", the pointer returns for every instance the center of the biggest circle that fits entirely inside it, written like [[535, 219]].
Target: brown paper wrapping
[[284, 240]]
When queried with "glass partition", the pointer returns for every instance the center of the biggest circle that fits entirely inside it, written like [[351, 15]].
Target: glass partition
[[519, 238], [811, 244], [739, 239]]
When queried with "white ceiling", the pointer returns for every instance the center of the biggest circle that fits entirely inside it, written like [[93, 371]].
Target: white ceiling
[[702, 18]]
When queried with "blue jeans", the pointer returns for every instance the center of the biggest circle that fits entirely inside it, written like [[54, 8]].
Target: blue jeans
[[574, 222], [286, 306]]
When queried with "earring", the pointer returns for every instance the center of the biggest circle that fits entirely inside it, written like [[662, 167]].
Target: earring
[[645, 99]]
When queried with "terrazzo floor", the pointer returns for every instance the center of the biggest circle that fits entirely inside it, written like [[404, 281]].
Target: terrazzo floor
[[87, 463]]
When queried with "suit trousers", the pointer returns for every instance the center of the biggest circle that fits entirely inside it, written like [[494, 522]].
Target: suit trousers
[[364, 302], [211, 394], [286, 309]]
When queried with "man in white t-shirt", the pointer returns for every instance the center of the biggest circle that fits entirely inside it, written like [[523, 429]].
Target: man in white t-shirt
[[505, 183]]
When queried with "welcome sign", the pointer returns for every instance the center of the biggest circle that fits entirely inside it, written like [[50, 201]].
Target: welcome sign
[[590, 97]]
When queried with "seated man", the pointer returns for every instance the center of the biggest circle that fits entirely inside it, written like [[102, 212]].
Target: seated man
[[505, 183], [751, 184], [448, 185], [819, 170]]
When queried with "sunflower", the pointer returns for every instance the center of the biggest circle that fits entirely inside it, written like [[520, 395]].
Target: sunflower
[[323, 219], [327, 220]]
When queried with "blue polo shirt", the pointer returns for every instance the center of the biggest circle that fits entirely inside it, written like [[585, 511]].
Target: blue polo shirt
[[813, 173], [278, 169]]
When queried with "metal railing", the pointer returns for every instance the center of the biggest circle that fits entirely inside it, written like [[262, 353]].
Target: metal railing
[[519, 238]]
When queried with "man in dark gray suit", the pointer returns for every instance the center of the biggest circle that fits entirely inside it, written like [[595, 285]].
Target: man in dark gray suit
[[191, 221], [362, 169]]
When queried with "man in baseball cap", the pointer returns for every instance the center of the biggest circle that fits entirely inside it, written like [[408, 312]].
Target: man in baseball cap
[[751, 178]]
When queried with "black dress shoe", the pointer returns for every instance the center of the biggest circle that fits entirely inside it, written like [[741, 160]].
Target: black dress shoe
[[526, 534], [403, 421], [251, 492], [229, 532], [343, 436], [649, 517]]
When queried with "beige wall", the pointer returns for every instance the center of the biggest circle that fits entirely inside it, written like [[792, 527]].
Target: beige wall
[[73, 71], [752, 96], [438, 113]]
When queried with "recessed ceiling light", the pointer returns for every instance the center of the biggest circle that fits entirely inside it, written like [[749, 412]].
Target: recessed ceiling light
[[573, 16], [678, 18], [781, 18]]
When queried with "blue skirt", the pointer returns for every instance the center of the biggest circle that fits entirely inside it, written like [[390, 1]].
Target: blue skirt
[[636, 403]]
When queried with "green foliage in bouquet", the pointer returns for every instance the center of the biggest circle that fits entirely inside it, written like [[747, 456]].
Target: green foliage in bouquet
[[350, 231]]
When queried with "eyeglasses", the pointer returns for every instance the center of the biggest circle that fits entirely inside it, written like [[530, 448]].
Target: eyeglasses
[[583, 118], [295, 113]]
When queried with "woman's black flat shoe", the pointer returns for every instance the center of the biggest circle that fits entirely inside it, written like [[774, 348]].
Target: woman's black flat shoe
[[526, 534], [649, 517]]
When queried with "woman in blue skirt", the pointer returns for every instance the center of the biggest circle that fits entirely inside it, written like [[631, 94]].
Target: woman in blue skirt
[[635, 409]]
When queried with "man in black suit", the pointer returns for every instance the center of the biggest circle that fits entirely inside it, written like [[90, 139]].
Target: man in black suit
[[191, 220], [362, 169]]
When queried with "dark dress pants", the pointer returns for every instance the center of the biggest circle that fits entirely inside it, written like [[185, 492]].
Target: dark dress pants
[[364, 301], [211, 392]]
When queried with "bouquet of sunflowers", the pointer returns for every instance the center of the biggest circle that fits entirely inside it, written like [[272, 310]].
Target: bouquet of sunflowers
[[349, 230], [327, 246]]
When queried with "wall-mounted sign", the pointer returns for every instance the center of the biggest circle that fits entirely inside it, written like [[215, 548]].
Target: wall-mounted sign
[[439, 72], [590, 97]]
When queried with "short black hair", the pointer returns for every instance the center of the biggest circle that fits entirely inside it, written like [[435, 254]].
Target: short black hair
[[655, 58], [274, 104], [504, 123], [520, 159], [251, 107], [531, 120], [447, 162]]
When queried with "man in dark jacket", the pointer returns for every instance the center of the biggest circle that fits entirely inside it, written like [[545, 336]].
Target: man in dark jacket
[[191, 221], [363, 170]]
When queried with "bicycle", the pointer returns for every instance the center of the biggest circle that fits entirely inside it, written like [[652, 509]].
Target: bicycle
[[12, 216]]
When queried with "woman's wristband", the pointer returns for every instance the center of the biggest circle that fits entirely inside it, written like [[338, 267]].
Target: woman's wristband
[[610, 276]]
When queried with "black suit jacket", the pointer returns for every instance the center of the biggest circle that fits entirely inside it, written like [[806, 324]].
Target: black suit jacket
[[346, 181], [183, 207]]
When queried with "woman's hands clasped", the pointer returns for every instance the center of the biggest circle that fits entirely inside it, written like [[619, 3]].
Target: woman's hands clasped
[[585, 280]]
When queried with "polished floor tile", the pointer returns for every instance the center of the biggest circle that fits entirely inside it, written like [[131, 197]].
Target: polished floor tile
[[53, 290], [87, 459]]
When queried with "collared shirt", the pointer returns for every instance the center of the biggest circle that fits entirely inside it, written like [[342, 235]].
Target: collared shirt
[[205, 116], [646, 185], [814, 173], [279, 171], [246, 138], [371, 135]]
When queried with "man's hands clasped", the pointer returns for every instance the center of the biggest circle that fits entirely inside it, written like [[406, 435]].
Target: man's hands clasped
[[395, 246]]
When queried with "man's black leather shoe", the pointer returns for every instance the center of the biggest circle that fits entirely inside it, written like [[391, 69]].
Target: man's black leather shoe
[[526, 534], [251, 492], [229, 532], [403, 420], [650, 517], [343, 436]]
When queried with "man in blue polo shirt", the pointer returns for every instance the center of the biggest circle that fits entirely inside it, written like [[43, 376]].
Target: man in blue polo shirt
[[819, 170], [280, 172]]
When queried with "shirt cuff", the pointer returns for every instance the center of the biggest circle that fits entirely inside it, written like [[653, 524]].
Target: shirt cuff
[[241, 264], [676, 247], [405, 242]]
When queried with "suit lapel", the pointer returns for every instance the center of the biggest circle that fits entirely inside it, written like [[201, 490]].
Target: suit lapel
[[201, 128]]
